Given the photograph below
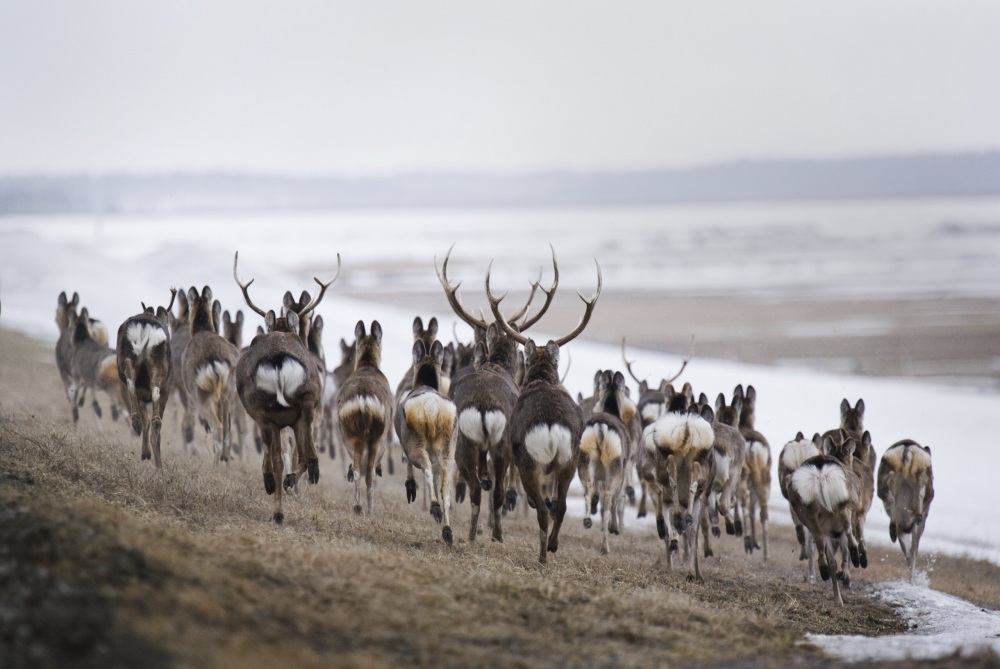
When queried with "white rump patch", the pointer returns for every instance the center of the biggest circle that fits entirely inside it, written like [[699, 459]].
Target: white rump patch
[[597, 440], [281, 382], [547, 443], [826, 486], [682, 433], [363, 403], [796, 452], [907, 459], [483, 429], [652, 411], [212, 376], [721, 466], [432, 410], [144, 336]]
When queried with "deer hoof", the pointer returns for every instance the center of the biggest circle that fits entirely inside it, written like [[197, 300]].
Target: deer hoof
[[738, 526], [511, 500], [487, 484], [674, 546], [290, 481], [630, 494], [269, 485], [864, 560], [553, 547], [855, 556], [709, 552], [313, 468], [460, 489], [114, 412], [678, 522], [350, 474], [548, 504], [661, 527], [189, 436], [146, 456], [640, 514], [730, 528], [588, 523], [691, 578], [76, 415], [279, 517], [257, 441], [892, 532], [688, 521], [378, 470], [593, 503], [716, 532], [436, 512], [844, 578], [357, 509], [392, 468], [447, 536], [136, 424], [800, 534], [411, 491], [748, 545], [97, 410], [824, 572]]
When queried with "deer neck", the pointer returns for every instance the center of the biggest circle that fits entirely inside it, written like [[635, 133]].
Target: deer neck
[[426, 375], [544, 371]]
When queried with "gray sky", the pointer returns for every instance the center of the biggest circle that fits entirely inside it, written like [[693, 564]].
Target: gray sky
[[374, 87]]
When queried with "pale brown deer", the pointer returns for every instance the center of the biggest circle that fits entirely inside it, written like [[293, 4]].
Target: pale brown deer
[[546, 423], [852, 422], [825, 494], [279, 387], [180, 335], [65, 316], [144, 367], [793, 454], [730, 451], [755, 484], [93, 366], [364, 413], [427, 336], [906, 488]]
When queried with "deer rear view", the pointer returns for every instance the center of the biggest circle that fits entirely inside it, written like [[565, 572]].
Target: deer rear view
[[906, 488]]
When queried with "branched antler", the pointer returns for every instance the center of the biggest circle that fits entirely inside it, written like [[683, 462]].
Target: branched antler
[[245, 287]]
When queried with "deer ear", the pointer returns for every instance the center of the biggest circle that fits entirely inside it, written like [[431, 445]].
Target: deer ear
[[492, 335], [479, 354], [418, 351], [377, 330], [448, 359], [418, 326], [317, 324], [62, 299], [292, 320], [686, 389], [206, 294], [707, 413], [76, 299], [344, 348], [720, 402], [192, 293], [845, 406], [619, 380], [817, 439], [270, 319], [260, 330], [216, 313], [738, 391], [826, 446], [239, 318], [437, 352], [359, 330], [432, 326], [799, 436], [751, 394], [860, 407], [225, 318], [927, 448], [304, 299], [530, 351], [737, 406], [849, 447], [552, 349], [866, 439]]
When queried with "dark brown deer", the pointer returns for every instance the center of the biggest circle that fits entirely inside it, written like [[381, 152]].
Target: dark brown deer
[[755, 484], [93, 365], [425, 424], [546, 423], [65, 317], [852, 422], [792, 456], [825, 493], [208, 366], [364, 413], [144, 368], [906, 488], [279, 387], [180, 335]]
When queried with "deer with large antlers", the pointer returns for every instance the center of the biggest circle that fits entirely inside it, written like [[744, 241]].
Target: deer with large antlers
[[484, 399], [546, 423], [279, 387], [144, 368]]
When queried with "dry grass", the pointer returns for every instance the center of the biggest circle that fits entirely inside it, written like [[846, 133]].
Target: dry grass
[[104, 561]]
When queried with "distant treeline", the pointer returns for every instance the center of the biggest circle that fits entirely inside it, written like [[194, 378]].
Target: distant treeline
[[972, 174]]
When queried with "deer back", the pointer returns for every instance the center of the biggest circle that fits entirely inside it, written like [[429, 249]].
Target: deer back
[[276, 378], [144, 345], [906, 483]]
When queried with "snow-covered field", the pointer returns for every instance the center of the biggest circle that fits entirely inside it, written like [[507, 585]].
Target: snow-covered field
[[947, 248]]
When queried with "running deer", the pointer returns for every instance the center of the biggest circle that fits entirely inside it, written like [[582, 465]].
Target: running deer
[[364, 414], [852, 422], [755, 484], [65, 317], [730, 451], [207, 365], [144, 368], [484, 399], [425, 424], [825, 493], [793, 454], [427, 336], [279, 387], [605, 445], [92, 365], [180, 335], [232, 331], [906, 488], [335, 382], [546, 423]]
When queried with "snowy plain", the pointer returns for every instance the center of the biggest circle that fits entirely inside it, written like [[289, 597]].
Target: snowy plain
[[867, 249]]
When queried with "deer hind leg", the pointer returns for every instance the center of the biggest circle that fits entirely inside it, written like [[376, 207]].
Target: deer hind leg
[[444, 473], [564, 478], [500, 467], [698, 510], [615, 487], [760, 496], [709, 518], [606, 514], [143, 414], [422, 460], [156, 425], [371, 471], [859, 534], [308, 458], [589, 496], [911, 560], [277, 466], [828, 555]]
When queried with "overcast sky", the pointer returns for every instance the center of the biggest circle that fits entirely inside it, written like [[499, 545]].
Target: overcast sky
[[367, 87]]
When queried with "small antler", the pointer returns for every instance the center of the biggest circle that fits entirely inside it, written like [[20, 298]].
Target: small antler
[[628, 364], [451, 292], [245, 287], [322, 291], [173, 295], [549, 294], [684, 363]]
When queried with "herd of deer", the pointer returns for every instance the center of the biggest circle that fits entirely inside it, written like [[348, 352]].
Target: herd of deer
[[496, 410]]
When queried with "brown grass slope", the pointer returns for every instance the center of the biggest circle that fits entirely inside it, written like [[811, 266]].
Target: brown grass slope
[[106, 562]]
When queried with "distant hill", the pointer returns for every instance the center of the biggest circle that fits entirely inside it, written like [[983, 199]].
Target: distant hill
[[971, 174]]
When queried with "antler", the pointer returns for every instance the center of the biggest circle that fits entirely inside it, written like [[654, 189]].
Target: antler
[[245, 288], [549, 294], [495, 308], [531, 296], [628, 364], [684, 363], [173, 295], [322, 291], [451, 292], [589, 309]]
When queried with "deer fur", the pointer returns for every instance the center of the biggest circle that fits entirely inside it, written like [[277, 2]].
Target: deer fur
[[793, 454], [208, 366], [93, 366], [364, 411], [825, 493], [66, 313], [144, 368], [730, 450], [180, 335], [906, 488], [425, 423], [755, 484], [852, 422]]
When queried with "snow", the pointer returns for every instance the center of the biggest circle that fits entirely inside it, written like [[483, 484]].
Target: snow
[[859, 249]]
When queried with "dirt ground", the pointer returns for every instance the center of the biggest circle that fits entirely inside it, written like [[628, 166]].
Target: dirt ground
[[106, 562]]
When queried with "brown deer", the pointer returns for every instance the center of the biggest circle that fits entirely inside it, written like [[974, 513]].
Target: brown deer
[[93, 365], [755, 484], [428, 336], [180, 335], [364, 412], [852, 422], [278, 385], [730, 451], [144, 368], [906, 488], [792, 456], [335, 382], [825, 494], [207, 365], [425, 424], [65, 317], [546, 423]]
